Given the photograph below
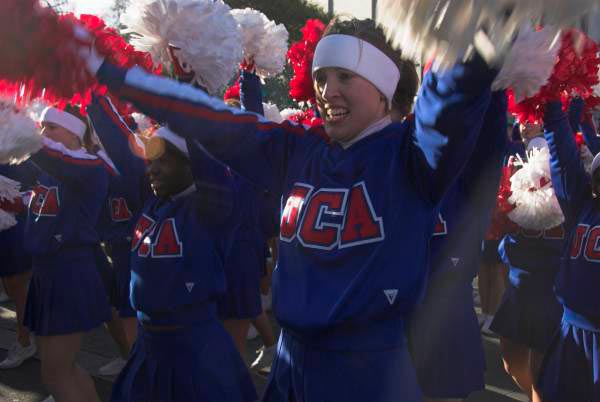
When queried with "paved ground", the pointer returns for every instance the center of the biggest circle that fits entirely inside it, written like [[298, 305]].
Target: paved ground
[[23, 384]]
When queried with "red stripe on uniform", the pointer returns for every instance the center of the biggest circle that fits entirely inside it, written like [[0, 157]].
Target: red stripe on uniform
[[183, 107], [123, 127], [70, 159]]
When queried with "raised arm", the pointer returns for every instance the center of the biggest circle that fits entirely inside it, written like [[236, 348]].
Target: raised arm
[[74, 168], [121, 144], [483, 170], [448, 118], [571, 183], [250, 93], [254, 147]]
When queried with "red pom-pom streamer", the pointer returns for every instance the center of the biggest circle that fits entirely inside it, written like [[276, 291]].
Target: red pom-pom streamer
[[233, 92], [576, 72], [300, 56], [501, 224], [307, 117], [41, 57]]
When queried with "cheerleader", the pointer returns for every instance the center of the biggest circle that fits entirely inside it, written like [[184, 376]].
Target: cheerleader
[[452, 366], [570, 370], [361, 195], [180, 244], [66, 297]]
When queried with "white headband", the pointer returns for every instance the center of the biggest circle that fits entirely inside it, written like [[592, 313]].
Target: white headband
[[360, 57], [65, 120], [175, 140]]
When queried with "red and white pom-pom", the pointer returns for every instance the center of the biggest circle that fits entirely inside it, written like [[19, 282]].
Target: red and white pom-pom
[[264, 42], [450, 29], [307, 118], [529, 63], [289, 112], [11, 202], [272, 112], [203, 32], [575, 72], [19, 136], [300, 57], [536, 205]]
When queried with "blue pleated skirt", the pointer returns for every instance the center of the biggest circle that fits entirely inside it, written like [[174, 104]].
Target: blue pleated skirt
[[66, 294], [121, 255], [571, 368], [197, 363], [529, 315]]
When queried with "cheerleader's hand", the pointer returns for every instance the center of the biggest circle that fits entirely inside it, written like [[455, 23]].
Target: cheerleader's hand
[[87, 50]]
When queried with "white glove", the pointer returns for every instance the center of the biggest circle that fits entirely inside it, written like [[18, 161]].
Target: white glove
[[87, 50]]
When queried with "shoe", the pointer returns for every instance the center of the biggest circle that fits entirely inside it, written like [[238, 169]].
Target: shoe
[[252, 333], [114, 367], [49, 399], [485, 328], [17, 355], [266, 302], [264, 359]]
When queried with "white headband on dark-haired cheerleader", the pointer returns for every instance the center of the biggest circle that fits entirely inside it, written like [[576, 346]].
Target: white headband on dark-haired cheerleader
[[175, 140], [65, 120], [360, 57]]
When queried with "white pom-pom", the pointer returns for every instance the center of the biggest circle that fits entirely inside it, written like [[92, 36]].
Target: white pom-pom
[[205, 32], [529, 63], [537, 207], [272, 113], [450, 29], [289, 112], [7, 220], [9, 191], [19, 136], [264, 41]]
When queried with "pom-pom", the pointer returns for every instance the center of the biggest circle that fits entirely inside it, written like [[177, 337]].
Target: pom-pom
[[305, 117], [575, 72], [264, 42], [10, 202], [450, 29], [536, 205], [272, 113], [20, 136], [529, 63], [203, 33], [584, 152], [233, 92], [301, 56]]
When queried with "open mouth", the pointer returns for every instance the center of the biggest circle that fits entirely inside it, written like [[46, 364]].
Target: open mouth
[[336, 115]]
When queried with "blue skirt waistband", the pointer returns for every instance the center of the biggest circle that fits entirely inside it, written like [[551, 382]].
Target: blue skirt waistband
[[183, 316]]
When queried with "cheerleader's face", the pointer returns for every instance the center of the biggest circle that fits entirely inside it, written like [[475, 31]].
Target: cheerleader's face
[[348, 103], [530, 130], [169, 173], [61, 135]]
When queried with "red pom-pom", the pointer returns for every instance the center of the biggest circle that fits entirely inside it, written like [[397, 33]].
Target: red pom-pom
[[41, 59], [576, 72], [300, 56], [307, 118], [501, 224], [233, 92]]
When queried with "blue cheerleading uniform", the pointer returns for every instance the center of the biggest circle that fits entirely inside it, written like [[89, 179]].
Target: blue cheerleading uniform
[[355, 228], [453, 366], [571, 368], [178, 251], [126, 192], [66, 293]]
